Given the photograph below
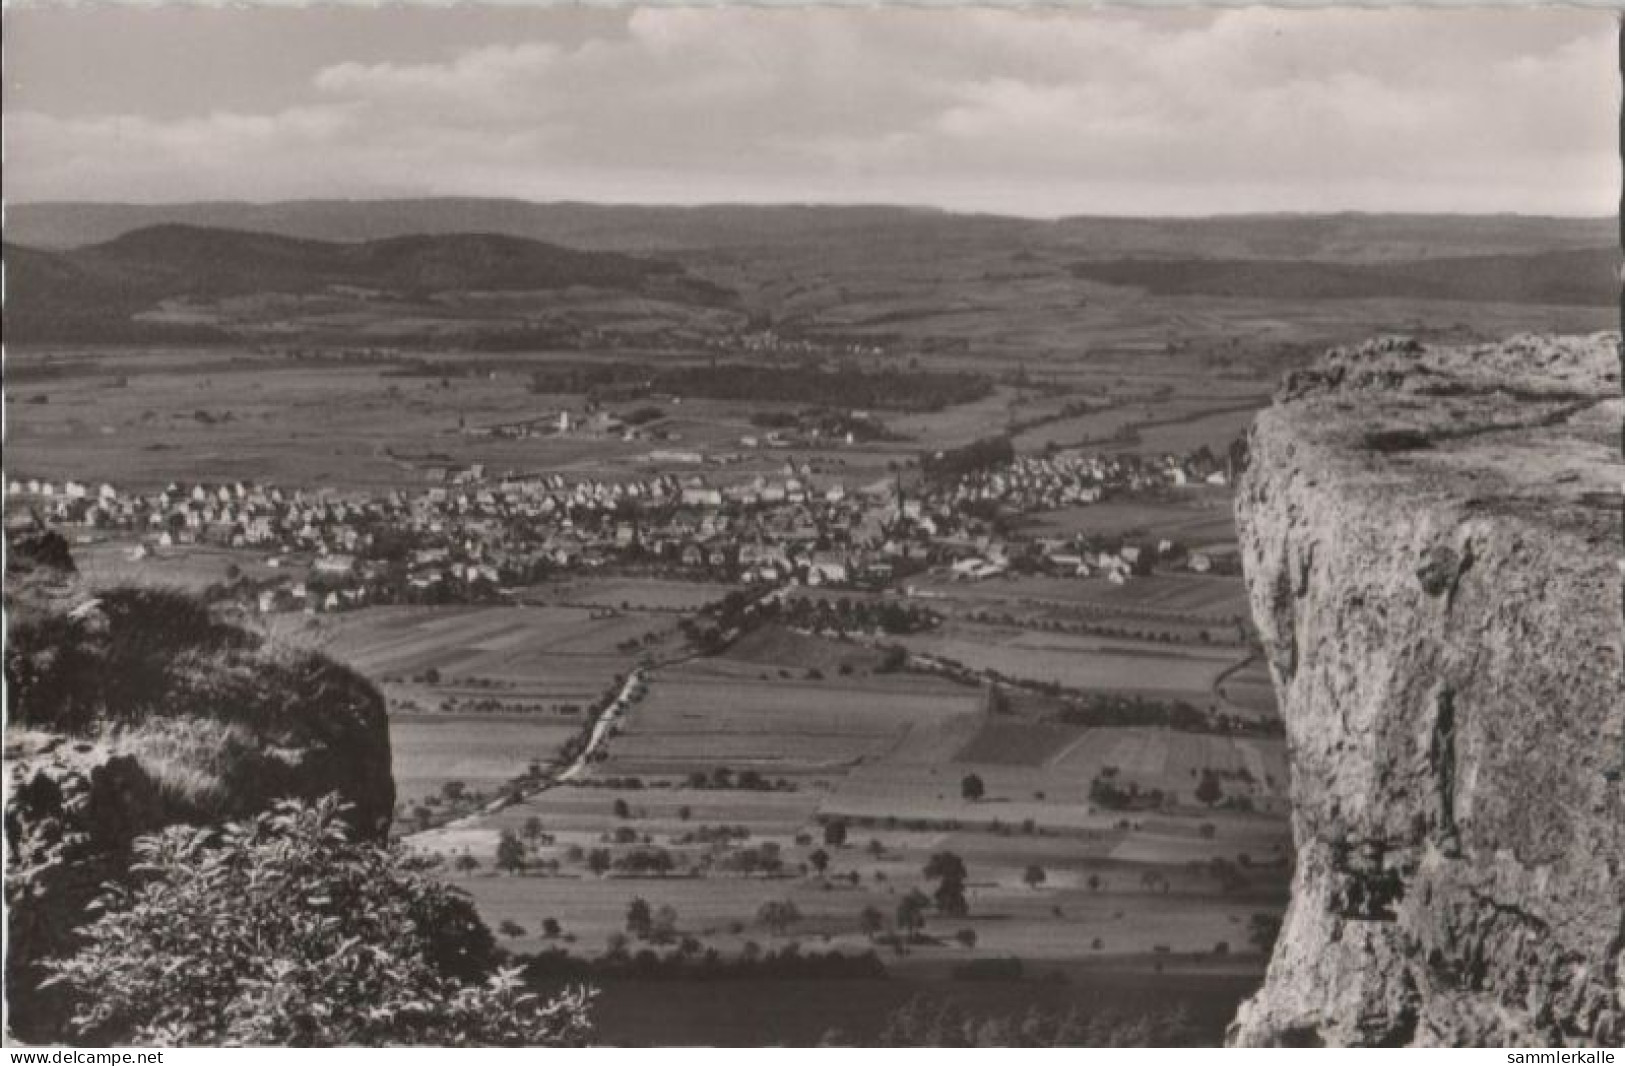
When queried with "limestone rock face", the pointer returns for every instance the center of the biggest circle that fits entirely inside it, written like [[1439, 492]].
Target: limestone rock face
[[1432, 541]]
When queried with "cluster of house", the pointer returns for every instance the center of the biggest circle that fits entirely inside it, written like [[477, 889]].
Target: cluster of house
[[1077, 557], [560, 423], [1069, 478], [469, 535], [590, 422]]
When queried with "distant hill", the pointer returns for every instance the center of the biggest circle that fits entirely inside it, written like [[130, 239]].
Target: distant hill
[[1584, 277], [581, 225], [92, 292], [1348, 237], [512, 275]]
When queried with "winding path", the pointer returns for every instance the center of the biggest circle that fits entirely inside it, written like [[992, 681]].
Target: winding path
[[602, 727], [631, 690]]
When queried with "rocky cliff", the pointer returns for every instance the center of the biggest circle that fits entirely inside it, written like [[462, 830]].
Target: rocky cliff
[[132, 709], [1432, 539]]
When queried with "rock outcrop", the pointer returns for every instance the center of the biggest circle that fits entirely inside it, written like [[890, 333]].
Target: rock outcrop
[[130, 710], [1433, 540]]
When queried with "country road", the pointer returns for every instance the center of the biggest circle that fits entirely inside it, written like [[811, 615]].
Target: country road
[[602, 727], [632, 689]]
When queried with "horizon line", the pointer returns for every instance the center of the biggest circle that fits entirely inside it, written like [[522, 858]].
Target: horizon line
[[923, 208]]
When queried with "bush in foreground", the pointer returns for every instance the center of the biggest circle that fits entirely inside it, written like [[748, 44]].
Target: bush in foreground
[[282, 930]]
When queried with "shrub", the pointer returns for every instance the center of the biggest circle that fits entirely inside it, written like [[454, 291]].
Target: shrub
[[210, 710], [281, 930]]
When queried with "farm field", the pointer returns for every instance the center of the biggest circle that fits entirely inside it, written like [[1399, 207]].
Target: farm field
[[144, 418], [1213, 431], [1057, 794], [1250, 690], [636, 594], [1196, 516], [1197, 597], [885, 755], [1008, 917], [1081, 662], [481, 750], [692, 720], [1109, 427], [773, 647], [557, 653]]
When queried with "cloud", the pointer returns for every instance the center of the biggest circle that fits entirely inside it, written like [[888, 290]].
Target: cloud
[[1035, 112]]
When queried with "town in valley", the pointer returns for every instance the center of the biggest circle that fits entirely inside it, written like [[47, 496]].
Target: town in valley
[[870, 623]]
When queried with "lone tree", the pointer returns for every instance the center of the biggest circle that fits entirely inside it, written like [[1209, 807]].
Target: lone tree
[[972, 788], [533, 831], [510, 852], [872, 922], [1208, 790], [1034, 876], [948, 870], [621, 809], [639, 918], [778, 915], [282, 930], [835, 833], [820, 860], [911, 912]]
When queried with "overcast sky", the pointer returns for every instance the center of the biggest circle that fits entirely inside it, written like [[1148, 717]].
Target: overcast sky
[[1035, 113]]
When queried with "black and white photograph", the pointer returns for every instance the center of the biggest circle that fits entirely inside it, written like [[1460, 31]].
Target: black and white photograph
[[645, 525]]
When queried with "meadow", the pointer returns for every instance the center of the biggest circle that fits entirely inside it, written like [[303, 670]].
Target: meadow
[[1212, 600], [430, 750], [551, 653], [1197, 516], [693, 719], [1080, 662]]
